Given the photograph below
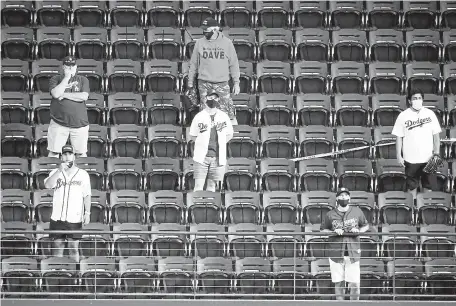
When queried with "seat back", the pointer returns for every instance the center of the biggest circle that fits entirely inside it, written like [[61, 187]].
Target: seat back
[[278, 141], [165, 43], [276, 109], [204, 207], [387, 45], [311, 77], [355, 174], [386, 78], [386, 108], [315, 139], [312, 44], [351, 110], [275, 44], [171, 242], [165, 140], [236, 14], [125, 108], [273, 77], [348, 77], [242, 207], [53, 42], [17, 43], [161, 76], [315, 205], [15, 205], [123, 75], [166, 207], [273, 14], [14, 75], [423, 75], [280, 207], [313, 109], [244, 41], [128, 43], [195, 12], [14, 173], [420, 14], [349, 45], [125, 173]]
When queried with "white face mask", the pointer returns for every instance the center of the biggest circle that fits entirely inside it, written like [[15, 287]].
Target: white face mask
[[417, 104]]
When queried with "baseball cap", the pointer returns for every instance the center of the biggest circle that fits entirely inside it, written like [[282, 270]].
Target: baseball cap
[[209, 22], [69, 61], [342, 190], [67, 149]]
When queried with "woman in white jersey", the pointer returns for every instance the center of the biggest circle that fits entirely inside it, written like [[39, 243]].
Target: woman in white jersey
[[417, 130], [70, 204]]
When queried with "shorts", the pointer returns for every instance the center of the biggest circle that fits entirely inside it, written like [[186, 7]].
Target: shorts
[[58, 136], [210, 170], [347, 271], [415, 173], [224, 92], [65, 226]]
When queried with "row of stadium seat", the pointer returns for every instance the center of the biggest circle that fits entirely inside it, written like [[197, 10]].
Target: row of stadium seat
[[234, 277], [251, 110], [270, 44], [165, 206], [234, 14]]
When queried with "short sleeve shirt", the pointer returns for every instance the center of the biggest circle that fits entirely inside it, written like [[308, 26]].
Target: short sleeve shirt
[[417, 130], [67, 112]]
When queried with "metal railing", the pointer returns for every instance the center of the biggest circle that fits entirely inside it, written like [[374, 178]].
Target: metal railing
[[194, 264]]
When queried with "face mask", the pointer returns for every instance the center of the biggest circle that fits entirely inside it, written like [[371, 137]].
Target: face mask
[[210, 103], [342, 202], [208, 35], [417, 104]]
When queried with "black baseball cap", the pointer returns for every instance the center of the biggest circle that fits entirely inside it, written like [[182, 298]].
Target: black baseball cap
[[342, 190], [67, 149], [69, 61], [209, 22]]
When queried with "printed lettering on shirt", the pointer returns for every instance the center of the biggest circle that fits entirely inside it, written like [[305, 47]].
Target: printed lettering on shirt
[[219, 126], [213, 53], [349, 223], [60, 183], [411, 124], [202, 127]]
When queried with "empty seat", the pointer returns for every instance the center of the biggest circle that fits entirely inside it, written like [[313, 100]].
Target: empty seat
[[126, 244], [449, 74], [278, 142], [350, 137], [310, 14], [366, 202], [437, 241], [127, 206], [434, 208], [351, 110], [96, 170], [241, 174], [15, 206], [315, 139], [384, 135], [41, 143], [423, 45], [93, 71], [276, 109], [386, 45], [165, 141], [91, 43], [123, 75], [372, 278], [53, 42], [280, 207], [127, 141], [18, 243], [386, 108], [164, 43], [346, 14], [98, 274], [190, 37], [97, 145], [125, 173], [16, 140], [59, 275], [44, 242], [204, 207], [312, 44], [176, 274], [420, 14], [17, 14], [165, 206], [408, 276], [14, 173], [41, 103], [236, 14], [188, 181], [162, 173], [210, 244], [15, 107], [349, 45], [440, 278], [395, 207], [449, 46], [390, 176], [348, 77], [19, 275], [15, 75], [244, 143], [127, 43], [275, 45], [214, 275], [161, 76], [278, 174], [163, 108], [42, 205], [383, 14], [315, 205], [321, 277], [311, 78], [281, 244], [253, 276], [168, 243], [42, 71], [17, 42], [247, 78], [195, 12], [316, 174], [355, 174], [386, 78], [244, 41], [425, 76], [52, 13], [246, 109], [138, 275], [89, 13], [397, 243], [273, 77], [313, 109], [291, 275], [273, 14], [163, 13], [126, 13], [242, 245], [125, 108], [99, 207], [242, 207]]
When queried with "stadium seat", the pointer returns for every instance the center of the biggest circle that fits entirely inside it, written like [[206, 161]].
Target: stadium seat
[[273, 14], [190, 37], [19, 275], [397, 243], [125, 173], [316, 174], [242, 207], [291, 276], [386, 45], [280, 207], [40, 170], [275, 45], [204, 207], [243, 246], [17, 244], [95, 109], [127, 206], [355, 174], [15, 107], [41, 143], [314, 139], [310, 14], [452, 147], [390, 176], [420, 14], [127, 43], [366, 202], [16, 140], [350, 137], [168, 244], [434, 208], [346, 14], [272, 42], [321, 278], [240, 175], [93, 71], [165, 141], [176, 274], [15, 75], [423, 45], [408, 276], [349, 45], [246, 109], [244, 142], [440, 278], [96, 170], [425, 76], [42, 205], [278, 142], [313, 109], [437, 241], [14, 173], [89, 13], [128, 244], [247, 78], [165, 206], [125, 108], [44, 243], [52, 13], [315, 205], [15, 206], [281, 244], [17, 43], [386, 108], [214, 275], [163, 13], [373, 278], [138, 276], [449, 74], [162, 173], [383, 135], [278, 174], [98, 207], [396, 207], [276, 109], [161, 76], [17, 14], [209, 244], [163, 108], [98, 274], [41, 103], [123, 75], [253, 276], [91, 43], [59, 275], [447, 14], [348, 77], [351, 110], [316, 246], [126, 13], [52, 43], [188, 182], [273, 77], [127, 141], [97, 145], [311, 78], [195, 12], [449, 50], [383, 14], [312, 44], [42, 71], [236, 14], [386, 78], [164, 43]]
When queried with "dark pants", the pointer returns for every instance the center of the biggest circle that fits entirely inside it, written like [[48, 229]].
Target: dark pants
[[415, 173], [65, 226]]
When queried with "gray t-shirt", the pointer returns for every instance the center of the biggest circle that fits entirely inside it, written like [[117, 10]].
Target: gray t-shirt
[[67, 112], [212, 150]]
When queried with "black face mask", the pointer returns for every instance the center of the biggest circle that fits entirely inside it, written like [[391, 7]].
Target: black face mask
[[343, 203], [211, 103], [208, 35]]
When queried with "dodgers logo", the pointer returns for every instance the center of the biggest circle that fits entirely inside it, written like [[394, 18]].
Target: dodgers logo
[[202, 127], [411, 124]]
